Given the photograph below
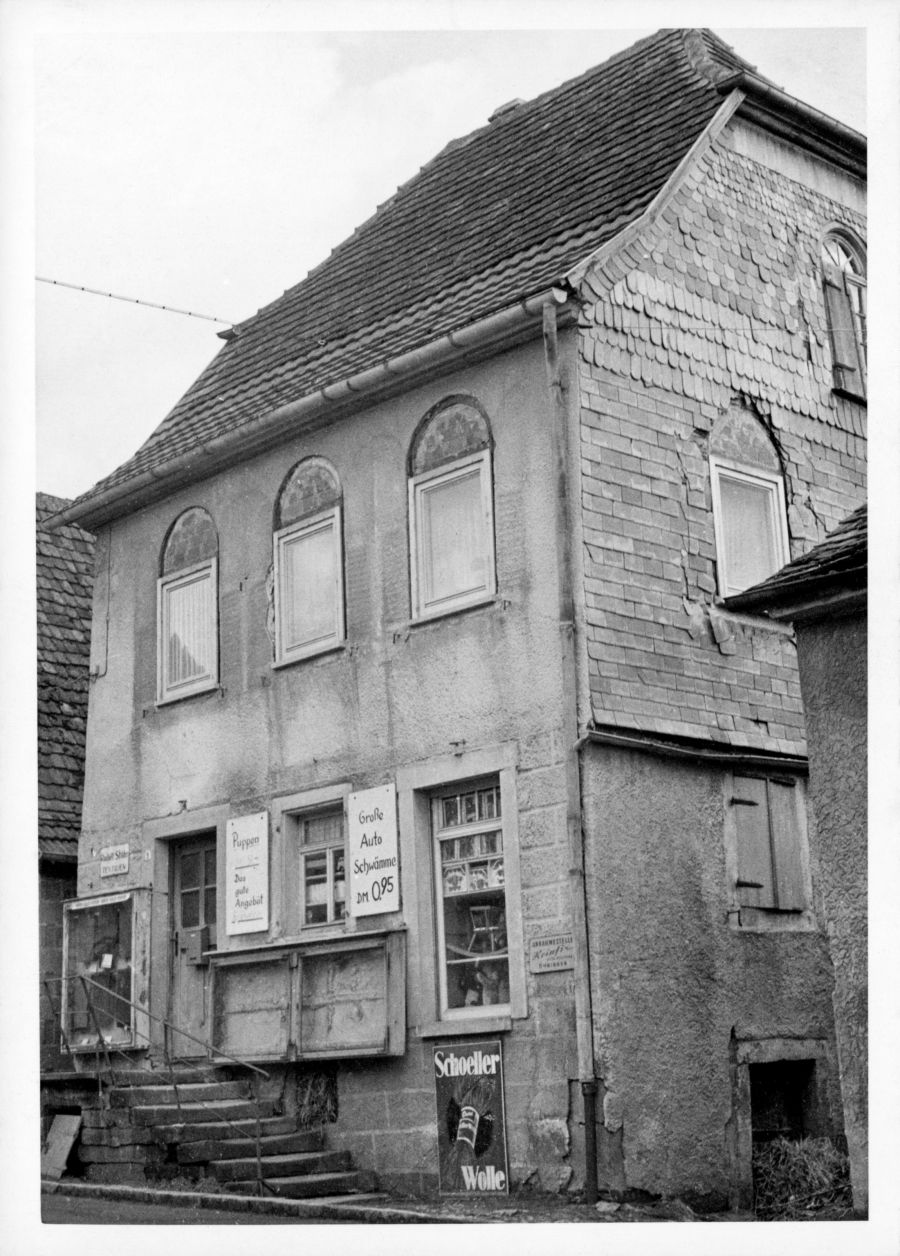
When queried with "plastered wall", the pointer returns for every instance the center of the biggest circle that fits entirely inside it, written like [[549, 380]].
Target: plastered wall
[[833, 674], [396, 694]]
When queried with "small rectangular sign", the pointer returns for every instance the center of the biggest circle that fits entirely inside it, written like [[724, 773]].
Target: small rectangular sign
[[552, 953], [468, 1080], [247, 873], [114, 860], [372, 850]]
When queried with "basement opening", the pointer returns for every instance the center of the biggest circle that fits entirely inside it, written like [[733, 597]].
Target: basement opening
[[784, 1101]]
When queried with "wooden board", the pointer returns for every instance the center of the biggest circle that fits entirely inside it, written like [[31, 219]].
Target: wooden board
[[60, 1141]]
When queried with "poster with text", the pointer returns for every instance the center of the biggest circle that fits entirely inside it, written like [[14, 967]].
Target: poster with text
[[468, 1080], [372, 848], [247, 873]]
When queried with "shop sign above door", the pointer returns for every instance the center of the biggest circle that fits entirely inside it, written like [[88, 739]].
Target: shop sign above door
[[114, 860], [247, 873], [373, 851]]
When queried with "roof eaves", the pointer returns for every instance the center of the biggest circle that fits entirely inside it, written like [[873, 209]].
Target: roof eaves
[[774, 110], [506, 327]]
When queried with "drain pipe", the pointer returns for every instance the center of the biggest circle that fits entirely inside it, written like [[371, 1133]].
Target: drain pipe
[[564, 534]]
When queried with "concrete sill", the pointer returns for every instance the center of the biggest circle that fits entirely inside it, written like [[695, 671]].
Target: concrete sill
[[465, 1028]]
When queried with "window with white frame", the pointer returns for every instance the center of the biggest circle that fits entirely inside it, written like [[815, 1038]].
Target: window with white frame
[[451, 510], [308, 561], [768, 833], [844, 279], [320, 836], [470, 893], [187, 609], [749, 509]]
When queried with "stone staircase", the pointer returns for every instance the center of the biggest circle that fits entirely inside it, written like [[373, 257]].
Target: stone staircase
[[208, 1134]]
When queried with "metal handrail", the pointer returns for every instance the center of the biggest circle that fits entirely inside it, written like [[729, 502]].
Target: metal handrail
[[167, 1025]]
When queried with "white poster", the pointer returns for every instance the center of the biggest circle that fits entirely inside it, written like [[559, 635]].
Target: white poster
[[114, 860], [373, 851], [247, 873]]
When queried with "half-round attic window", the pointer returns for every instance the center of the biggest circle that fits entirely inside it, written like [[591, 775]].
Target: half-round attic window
[[739, 436], [309, 488], [455, 427], [192, 539]]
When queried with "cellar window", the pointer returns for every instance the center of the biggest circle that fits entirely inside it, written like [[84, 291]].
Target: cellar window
[[783, 1100]]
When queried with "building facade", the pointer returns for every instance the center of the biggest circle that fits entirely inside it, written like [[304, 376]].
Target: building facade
[[456, 552], [823, 594]]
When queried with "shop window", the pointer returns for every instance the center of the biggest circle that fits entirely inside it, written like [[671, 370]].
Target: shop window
[[451, 510], [844, 278], [187, 606], [769, 846], [473, 951], [102, 1002], [308, 558], [322, 877], [749, 515]]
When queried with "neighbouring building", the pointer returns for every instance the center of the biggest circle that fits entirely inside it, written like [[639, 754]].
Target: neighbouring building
[[415, 601], [65, 570], [823, 593]]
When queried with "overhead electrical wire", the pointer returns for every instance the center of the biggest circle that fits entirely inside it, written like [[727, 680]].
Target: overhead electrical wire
[[169, 309]]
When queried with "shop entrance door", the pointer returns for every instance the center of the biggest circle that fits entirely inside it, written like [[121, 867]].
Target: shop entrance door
[[193, 933]]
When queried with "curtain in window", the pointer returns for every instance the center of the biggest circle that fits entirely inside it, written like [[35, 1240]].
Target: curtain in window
[[189, 646], [750, 546], [308, 583], [454, 549]]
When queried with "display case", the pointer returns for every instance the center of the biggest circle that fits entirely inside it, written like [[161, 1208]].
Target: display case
[[105, 990]]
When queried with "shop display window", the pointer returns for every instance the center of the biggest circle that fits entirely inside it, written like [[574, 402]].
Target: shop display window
[[99, 945], [471, 896]]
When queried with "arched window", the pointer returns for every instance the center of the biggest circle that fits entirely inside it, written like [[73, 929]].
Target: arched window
[[844, 277], [187, 608], [748, 502], [451, 512], [308, 556]]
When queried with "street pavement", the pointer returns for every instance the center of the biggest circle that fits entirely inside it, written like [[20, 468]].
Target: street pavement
[[91, 1210]]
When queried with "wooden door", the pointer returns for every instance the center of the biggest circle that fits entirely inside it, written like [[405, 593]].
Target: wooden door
[[193, 932]]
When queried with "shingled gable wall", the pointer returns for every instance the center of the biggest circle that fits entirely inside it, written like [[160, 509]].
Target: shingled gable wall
[[717, 303]]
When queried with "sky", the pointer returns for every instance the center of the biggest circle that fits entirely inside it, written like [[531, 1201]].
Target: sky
[[210, 170]]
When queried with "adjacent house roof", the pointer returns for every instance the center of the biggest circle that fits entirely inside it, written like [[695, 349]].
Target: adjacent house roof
[[496, 217], [65, 567], [834, 570]]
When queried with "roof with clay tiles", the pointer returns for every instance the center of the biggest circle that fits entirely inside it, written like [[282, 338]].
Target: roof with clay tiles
[[65, 567], [495, 217]]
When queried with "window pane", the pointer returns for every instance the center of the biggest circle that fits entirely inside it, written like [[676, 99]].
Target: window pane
[[316, 887], [321, 829], [190, 870], [209, 906], [190, 909], [454, 545], [188, 635], [748, 526], [475, 946], [308, 575], [337, 865]]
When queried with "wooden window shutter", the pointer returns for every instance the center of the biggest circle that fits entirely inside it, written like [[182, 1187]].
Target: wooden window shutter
[[786, 837], [755, 879], [842, 331]]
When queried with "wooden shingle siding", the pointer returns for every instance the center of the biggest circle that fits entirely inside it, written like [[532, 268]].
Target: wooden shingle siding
[[718, 303]]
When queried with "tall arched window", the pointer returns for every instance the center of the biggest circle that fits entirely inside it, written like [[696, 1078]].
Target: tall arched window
[[187, 608], [309, 569], [749, 511], [451, 512], [844, 277]]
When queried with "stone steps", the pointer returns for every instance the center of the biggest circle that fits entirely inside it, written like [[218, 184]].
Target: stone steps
[[189, 1092], [190, 1113], [219, 1131], [225, 1145], [335, 1186], [145, 1135], [290, 1164]]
